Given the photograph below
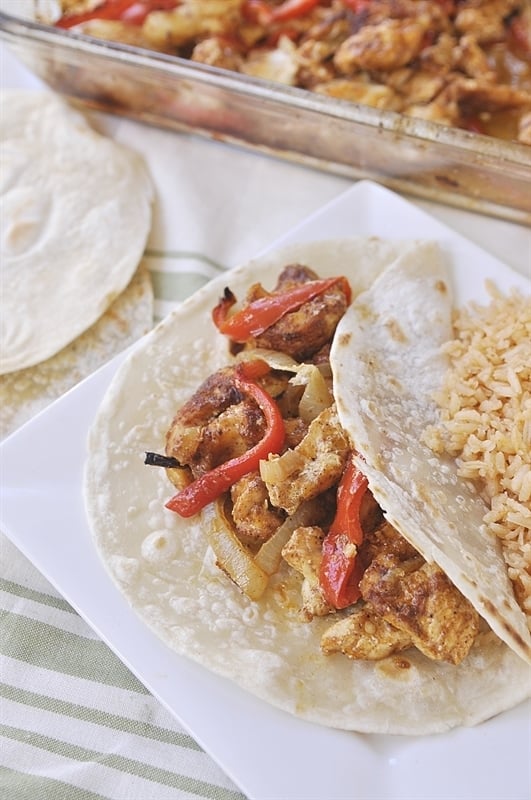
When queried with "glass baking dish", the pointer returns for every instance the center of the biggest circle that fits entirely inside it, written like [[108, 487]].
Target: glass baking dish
[[409, 155]]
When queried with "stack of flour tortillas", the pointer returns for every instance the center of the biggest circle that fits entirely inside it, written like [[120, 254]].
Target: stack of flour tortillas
[[75, 216]]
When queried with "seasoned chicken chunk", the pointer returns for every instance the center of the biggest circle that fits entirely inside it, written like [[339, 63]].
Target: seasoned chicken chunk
[[217, 51], [475, 94], [419, 599], [190, 20], [364, 635], [214, 425], [485, 19], [312, 467], [303, 553], [360, 90], [388, 45], [303, 332], [254, 518]]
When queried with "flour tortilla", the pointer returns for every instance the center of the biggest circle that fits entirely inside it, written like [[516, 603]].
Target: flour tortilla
[[163, 566], [387, 365], [27, 391], [75, 214]]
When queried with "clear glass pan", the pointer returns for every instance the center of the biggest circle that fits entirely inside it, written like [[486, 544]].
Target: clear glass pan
[[409, 155]]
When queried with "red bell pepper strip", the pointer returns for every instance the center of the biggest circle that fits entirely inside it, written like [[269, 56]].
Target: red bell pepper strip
[[262, 13], [340, 571], [291, 9], [209, 486], [357, 5], [262, 313], [132, 11]]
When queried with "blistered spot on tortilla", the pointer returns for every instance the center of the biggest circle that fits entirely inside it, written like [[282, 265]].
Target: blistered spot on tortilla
[[396, 667], [396, 383], [366, 313], [396, 331], [344, 339], [511, 629], [441, 287]]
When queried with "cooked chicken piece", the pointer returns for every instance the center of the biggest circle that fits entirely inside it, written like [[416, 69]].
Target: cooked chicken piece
[[303, 332], [485, 19], [190, 20], [318, 46], [216, 424], [388, 45], [360, 90], [464, 97], [314, 62], [439, 56], [254, 518], [303, 553], [384, 539], [364, 635], [419, 599], [312, 467], [296, 430], [414, 86], [117, 31], [472, 59], [278, 65], [217, 52], [429, 12], [475, 94], [443, 109]]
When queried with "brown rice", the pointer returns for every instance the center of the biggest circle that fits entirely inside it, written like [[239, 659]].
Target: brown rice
[[486, 420]]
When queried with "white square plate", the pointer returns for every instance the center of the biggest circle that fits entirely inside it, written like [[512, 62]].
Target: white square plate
[[269, 754]]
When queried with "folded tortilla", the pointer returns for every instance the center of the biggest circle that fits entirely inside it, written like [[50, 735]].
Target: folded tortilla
[[26, 392], [387, 364], [75, 213], [164, 567]]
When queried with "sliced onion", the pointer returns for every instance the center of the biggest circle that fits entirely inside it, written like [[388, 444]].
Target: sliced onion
[[277, 469], [269, 557], [316, 396], [231, 555], [279, 361]]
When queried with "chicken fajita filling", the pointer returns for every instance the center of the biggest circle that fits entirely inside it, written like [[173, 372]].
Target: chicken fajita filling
[[259, 452]]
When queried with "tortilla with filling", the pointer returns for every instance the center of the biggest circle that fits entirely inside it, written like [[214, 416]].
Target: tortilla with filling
[[28, 391], [164, 567], [75, 213]]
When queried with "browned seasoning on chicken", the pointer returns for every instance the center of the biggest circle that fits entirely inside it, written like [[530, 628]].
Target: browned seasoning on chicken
[[303, 553], [255, 519], [303, 332], [417, 602], [365, 635], [313, 466], [216, 424]]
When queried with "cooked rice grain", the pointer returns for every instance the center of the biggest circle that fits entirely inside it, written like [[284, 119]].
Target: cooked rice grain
[[486, 420]]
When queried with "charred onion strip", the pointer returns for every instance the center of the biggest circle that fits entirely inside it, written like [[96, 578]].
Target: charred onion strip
[[261, 314], [212, 484], [340, 571], [158, 460]]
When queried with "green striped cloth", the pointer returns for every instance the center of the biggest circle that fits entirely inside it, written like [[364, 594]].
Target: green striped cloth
[[75, 724]]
